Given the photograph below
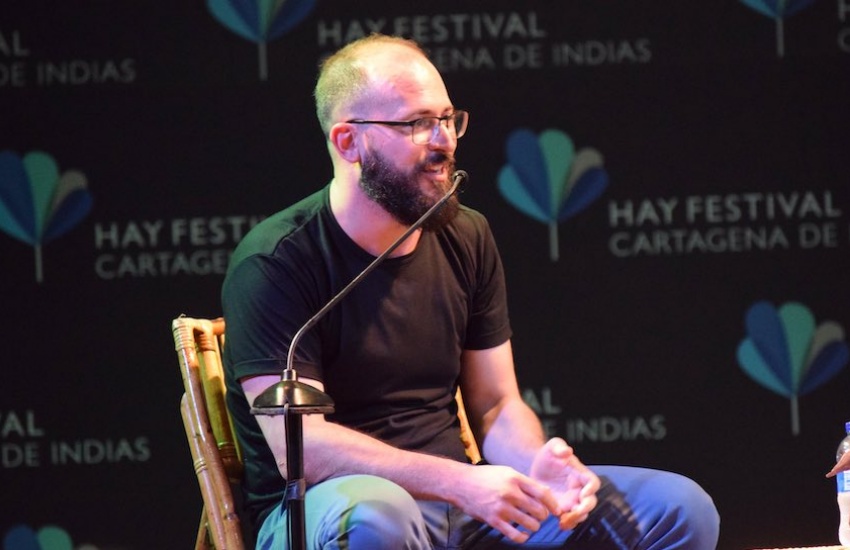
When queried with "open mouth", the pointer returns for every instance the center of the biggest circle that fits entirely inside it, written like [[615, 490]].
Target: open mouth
[[439, 170]]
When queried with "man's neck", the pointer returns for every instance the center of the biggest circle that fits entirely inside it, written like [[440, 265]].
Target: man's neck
[[366, 223]]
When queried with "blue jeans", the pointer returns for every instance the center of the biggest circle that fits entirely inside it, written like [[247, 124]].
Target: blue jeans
[[638, 509]]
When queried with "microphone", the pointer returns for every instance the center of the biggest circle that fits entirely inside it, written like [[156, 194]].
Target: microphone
[[270, 400]]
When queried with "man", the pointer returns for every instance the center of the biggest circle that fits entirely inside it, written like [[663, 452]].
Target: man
[[387, 469]]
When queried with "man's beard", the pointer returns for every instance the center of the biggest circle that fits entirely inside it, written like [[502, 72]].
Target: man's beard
[[400, 194]]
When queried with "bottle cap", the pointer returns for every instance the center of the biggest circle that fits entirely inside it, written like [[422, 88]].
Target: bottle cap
[[847, 427]]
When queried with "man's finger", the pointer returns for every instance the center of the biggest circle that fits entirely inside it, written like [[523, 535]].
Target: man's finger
[[569, 520], [543, 495], [510, 531]]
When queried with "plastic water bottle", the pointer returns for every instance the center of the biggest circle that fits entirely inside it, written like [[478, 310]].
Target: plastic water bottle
[[844, 491]]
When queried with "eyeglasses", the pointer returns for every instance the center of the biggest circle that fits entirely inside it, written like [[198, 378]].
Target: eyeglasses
[[424, 130]]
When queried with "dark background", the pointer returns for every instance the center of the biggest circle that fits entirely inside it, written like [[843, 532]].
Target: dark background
[[164, 112]]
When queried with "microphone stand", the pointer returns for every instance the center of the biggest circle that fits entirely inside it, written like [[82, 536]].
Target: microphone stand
[[292, 398]]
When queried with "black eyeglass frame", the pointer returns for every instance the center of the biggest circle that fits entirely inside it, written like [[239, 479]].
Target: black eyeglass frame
[[458, 115]]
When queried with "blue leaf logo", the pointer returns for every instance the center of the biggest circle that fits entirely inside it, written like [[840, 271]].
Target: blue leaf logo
[[786, 353], [22, 537], [778, 10], [37, 204], [548, 180], [260, 21]]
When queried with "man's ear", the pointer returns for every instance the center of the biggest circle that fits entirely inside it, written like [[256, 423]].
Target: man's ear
[[342, 139]]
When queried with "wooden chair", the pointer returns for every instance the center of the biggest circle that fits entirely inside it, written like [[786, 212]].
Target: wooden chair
[[213, 447], [215, 453]]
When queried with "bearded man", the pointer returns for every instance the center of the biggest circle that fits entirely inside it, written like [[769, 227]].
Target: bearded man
[[387, 469]]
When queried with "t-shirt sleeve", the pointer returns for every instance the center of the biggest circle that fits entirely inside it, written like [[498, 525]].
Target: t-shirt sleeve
[[489, 323], [264, 305]]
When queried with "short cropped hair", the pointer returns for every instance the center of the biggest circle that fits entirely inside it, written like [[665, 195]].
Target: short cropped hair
[[342, 79]]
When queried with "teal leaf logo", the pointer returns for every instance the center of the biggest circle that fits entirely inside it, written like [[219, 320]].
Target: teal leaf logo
[[778, 10], [785, 351], [548, 180], [37, 204], [22, 537], [260, 21]]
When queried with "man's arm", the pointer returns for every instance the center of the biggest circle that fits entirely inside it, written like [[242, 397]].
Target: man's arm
[[497, 495], [332, 450], [505, 427], [510, 433]]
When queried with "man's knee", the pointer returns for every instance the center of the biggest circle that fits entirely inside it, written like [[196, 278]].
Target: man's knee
[[692, 507], [657, 508], [376, 513], [692, 498]]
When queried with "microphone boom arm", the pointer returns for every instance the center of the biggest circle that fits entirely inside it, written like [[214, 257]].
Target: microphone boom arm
[[458, 179]]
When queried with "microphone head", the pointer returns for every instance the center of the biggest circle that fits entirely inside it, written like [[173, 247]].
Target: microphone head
[[459, 178]]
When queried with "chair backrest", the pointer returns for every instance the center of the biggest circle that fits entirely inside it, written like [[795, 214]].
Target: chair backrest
[[466, 435], [215, 453]]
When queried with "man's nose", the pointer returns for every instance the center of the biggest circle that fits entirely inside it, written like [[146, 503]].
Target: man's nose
[[444, 137]]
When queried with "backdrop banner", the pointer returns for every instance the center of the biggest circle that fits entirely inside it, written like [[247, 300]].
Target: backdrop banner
[[668, 186]]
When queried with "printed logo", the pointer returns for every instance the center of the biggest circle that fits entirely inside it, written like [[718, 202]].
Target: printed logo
[[260, 21], [168, 247], [601, 429], [22, 537], [37, 204], [22, 65], [488, 41], [548, 180], [713, 223], [778, 10], [785, 351]]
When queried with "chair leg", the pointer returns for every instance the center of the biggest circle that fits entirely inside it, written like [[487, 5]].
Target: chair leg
[[202, 541]]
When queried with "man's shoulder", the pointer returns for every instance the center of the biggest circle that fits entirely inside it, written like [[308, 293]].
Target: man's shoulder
[[472, 216], [469, 223], [265, 237]]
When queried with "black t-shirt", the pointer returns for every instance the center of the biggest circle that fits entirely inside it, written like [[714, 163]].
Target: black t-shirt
[[388, 353]]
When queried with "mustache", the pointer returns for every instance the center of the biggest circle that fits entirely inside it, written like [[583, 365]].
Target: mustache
[[438, 158]]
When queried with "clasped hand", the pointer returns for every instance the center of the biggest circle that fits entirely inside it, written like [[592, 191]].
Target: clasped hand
[[572, 483], [558, 483]]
